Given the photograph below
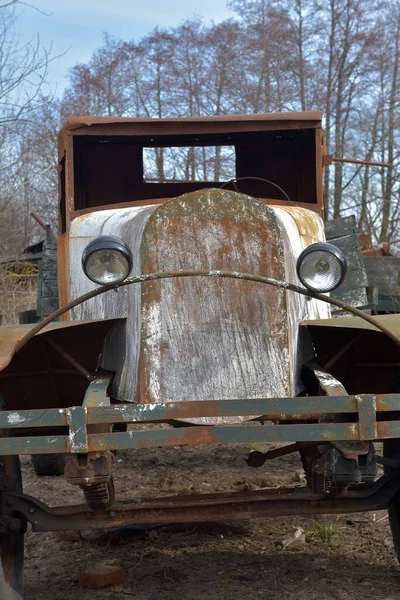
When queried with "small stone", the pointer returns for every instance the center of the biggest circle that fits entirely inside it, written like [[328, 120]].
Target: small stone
[[101, 576], [296, 535]]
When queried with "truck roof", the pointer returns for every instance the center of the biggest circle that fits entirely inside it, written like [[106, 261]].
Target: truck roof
[[208, 124], [113, 157]]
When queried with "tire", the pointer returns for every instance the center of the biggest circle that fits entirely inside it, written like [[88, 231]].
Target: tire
[[11, 543], [391, 449], [48, 464]]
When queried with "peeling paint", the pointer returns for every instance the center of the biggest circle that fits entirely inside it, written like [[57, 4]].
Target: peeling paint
[[205, 339], [300, 228], [327, 379], [128, 224], [15, 418], [217, 338]]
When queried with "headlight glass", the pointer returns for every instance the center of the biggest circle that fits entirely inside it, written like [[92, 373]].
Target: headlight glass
[[321, 267], [107, 266], [107, 260]]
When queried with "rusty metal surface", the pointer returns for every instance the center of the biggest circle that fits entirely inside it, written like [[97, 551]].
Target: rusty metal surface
[[367, 412], [226, 123], [300, 228], [328, 160], [367, 416], [360, 424], [213, 338], [329, 384], [92, 471], [390, 322], [10, 337], [89, 469], [257, 459], [97, 391], [139, 413], [38, 377], [225, 434], [127, 224], [211, 507], [221, 434], [223, 225], [374, 322]]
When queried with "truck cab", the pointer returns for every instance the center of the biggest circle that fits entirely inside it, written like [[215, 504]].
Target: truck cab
[[238, 193]]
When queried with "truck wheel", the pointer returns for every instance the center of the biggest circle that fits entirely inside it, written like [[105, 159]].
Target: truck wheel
[[11, 541], [391, 449], [48, 464]]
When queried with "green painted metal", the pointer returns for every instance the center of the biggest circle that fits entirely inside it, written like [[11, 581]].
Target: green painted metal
[[17, 419], [34, 445], [177, 437], [385, 402], [367, 417], [78, 440], [388, 429], [131, 413], [363, 408], [225, 434], [96, 393], [211, 408]]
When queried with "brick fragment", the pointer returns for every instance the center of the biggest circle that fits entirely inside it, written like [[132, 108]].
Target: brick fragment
[[100, 576]]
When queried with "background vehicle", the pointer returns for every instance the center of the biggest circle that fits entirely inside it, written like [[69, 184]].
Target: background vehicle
[[216, 219]]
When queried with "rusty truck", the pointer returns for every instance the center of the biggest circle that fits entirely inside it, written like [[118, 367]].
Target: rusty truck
[[194, 294]]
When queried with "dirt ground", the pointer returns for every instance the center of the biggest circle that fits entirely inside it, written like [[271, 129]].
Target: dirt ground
[[346, 557]]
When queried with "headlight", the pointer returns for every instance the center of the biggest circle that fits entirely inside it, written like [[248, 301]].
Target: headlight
[[321, 267], [107, 259]]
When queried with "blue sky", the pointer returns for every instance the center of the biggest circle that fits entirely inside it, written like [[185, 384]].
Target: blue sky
[[75, 27]]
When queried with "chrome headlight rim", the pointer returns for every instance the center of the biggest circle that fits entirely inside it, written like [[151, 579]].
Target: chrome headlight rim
[[330, 249], [104, 243]]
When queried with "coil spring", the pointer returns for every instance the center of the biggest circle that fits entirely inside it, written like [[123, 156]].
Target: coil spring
[[323, 483], [99, 495]]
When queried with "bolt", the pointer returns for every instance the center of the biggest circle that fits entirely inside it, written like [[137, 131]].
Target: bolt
[[112, 514], [32, 510]]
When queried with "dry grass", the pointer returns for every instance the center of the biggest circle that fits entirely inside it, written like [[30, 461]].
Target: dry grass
[[18, 284]]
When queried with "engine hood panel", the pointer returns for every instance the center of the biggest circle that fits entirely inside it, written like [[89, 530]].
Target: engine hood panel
[[202, 339]]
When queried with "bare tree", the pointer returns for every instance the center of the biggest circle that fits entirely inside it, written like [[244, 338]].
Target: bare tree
[[274, 55], [23, 69]]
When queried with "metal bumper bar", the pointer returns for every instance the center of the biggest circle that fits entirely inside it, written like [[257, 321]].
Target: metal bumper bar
[[365, 417]]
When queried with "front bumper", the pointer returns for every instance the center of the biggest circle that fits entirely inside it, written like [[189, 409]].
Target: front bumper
[[368, 417], [341, 417]]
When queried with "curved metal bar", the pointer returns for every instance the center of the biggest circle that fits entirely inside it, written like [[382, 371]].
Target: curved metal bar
[[235, 179], [206, 273]]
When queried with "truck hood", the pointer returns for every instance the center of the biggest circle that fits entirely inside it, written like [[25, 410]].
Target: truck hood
[[197, 339]]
